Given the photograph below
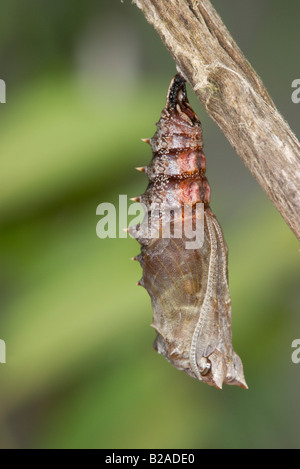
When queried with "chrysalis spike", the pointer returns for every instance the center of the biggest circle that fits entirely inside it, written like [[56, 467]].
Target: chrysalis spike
[[146, 140], [135, 199], [136, 258], [141, 169]]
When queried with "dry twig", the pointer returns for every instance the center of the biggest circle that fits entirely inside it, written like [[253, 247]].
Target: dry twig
[[233, 95]]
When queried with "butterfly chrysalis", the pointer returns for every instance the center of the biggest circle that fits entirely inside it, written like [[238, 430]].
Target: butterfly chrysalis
[[188, 287]]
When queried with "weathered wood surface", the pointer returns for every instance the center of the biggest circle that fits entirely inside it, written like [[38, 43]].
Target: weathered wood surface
[[233, 95]]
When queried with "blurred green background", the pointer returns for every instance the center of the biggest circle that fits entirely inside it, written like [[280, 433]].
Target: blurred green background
[[85, 81]]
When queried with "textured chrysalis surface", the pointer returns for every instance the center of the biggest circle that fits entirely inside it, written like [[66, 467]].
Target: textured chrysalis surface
[[188, 287]]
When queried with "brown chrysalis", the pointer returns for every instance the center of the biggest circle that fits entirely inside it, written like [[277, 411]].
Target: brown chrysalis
[[188, 287]]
